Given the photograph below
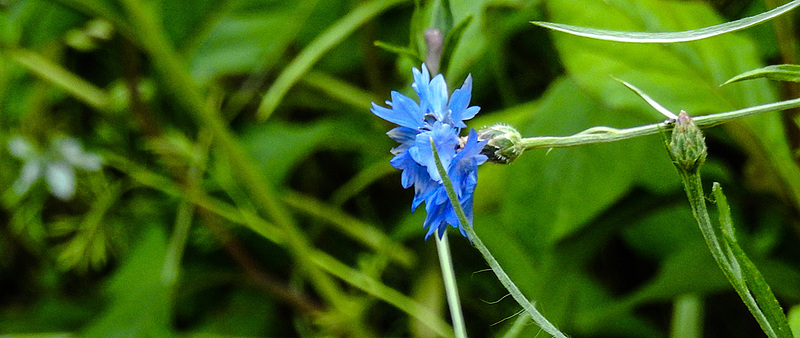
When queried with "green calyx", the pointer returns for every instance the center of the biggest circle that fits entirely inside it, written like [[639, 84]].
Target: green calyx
[[505, 143], [687, 146]]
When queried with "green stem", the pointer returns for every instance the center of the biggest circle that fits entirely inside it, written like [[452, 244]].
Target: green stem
[[512, 288], [694, 191], [60, 77], [608, 134], [450, 285], [177, 243], [687, 317]]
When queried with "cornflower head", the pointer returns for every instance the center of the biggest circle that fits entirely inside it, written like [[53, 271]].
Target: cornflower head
[[439, 117]]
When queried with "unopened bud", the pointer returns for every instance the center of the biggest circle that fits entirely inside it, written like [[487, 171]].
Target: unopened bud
[[688, 146], [434, 41], [505, 143]]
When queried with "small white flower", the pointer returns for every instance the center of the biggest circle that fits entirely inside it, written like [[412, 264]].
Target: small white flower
[[56, 164]]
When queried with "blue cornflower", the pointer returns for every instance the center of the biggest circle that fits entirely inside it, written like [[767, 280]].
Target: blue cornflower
[[440, 118]]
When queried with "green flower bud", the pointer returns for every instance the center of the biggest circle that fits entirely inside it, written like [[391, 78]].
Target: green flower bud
[[688, 146], [505, 143]]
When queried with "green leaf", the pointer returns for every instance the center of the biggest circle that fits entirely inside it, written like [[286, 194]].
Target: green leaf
[[669, 37], [774, 72], [689, 270], [794, 320], [442, 16], [243, 313], [652, 239], [278, 147], [140, 302], [246, 40], [451, 42], [768, 305], [42, 22], [399, 50]]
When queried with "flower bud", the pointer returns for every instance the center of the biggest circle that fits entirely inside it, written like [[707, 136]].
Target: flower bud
[[505, 143], [688, 146]]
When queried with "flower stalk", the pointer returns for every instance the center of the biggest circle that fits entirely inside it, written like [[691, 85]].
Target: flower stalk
[[450, 286], [512, 288], [608, 134], [688, 151]]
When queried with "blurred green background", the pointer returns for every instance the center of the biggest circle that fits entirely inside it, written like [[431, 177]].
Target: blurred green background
[[247, 191]]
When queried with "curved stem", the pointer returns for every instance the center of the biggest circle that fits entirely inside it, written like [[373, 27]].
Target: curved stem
[[498, 270], [729, 266], [608, 134]]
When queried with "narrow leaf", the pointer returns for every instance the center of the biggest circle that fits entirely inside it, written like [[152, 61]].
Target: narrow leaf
[[301, 64], [451, 42], [399, 50], [774, 72], [669, 37], [756, 284], [650, 101]]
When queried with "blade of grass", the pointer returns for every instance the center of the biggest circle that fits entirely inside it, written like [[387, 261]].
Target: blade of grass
[[339, 90], [380, 290], [61, 78], [365, 233], [316, 49]]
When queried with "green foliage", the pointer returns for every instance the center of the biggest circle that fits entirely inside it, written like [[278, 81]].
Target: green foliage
[[247, 189], [671, 37], [774, 72], [140, 302]]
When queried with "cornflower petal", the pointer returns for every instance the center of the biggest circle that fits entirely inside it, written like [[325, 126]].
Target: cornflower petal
[[421, 82], [404, 112], [436, 118], [435, 218], [437, 99], [459, 102], [412, 171], [446, 139], [403, 135]]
